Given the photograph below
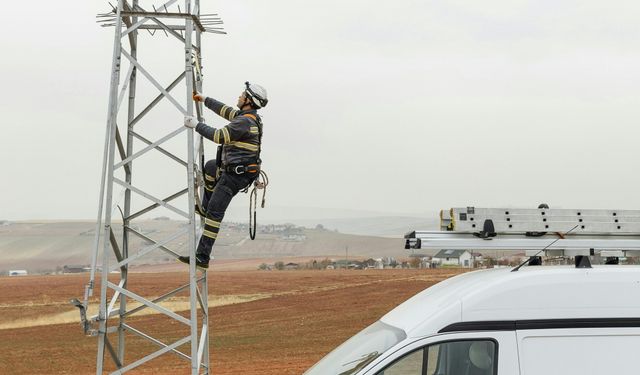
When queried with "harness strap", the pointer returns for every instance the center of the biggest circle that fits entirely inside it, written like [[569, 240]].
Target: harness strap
[[241, 168]]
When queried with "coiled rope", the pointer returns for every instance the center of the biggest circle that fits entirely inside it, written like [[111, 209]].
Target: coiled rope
[[260, 183]]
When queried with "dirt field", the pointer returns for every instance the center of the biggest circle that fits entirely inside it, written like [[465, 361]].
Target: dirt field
[[262, 322]]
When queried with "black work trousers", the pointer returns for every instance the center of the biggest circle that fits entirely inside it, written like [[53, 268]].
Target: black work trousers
[[219, 189]]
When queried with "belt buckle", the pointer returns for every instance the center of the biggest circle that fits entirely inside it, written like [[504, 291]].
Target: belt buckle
[[235, 169]]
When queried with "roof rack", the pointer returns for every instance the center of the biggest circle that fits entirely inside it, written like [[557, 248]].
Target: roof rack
[[553, 232]]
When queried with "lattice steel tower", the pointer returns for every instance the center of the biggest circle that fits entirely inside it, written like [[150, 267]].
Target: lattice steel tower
[[119, 248]]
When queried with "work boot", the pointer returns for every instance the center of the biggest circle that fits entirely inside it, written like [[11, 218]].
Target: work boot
[[202, 265]]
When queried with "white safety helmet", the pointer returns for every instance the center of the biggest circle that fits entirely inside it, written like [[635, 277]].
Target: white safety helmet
[[256, 94]]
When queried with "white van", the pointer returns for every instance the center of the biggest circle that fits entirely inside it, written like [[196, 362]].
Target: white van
[[538, 320]]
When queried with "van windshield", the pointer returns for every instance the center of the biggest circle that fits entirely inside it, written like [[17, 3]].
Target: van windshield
[[360, 350]]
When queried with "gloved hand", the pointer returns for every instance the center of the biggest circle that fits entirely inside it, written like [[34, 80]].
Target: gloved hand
[[190, 122], [198, 97]]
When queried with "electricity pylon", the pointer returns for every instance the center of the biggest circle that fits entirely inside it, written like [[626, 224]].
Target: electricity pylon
[[120, 248]]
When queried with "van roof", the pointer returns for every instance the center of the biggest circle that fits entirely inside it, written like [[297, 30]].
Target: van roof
[[535, 292]]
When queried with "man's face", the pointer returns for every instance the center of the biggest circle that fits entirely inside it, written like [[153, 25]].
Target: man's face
[[241, 100]]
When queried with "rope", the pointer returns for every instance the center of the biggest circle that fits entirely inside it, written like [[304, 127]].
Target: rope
[[199, 182], [260, 183]]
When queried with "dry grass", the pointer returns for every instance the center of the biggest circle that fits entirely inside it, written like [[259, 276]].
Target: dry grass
[[72, 315], [261, 322]]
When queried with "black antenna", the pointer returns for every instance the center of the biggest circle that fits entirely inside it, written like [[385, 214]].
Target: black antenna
[[545, 248]]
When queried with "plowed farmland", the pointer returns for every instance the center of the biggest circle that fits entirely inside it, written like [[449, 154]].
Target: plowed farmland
[[262, 322]]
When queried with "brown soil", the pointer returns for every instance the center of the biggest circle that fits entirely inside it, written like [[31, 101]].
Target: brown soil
[[305, 314]]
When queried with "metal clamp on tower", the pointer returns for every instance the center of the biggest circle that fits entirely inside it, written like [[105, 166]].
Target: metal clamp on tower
[[577, 233]]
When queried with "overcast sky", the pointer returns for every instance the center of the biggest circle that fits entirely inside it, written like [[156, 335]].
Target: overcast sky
[[395, 107]]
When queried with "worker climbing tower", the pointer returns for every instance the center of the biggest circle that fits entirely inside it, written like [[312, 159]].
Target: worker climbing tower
[[151, 137]]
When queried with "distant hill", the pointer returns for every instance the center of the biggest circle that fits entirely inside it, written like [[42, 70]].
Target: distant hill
[[363, 222], [49, 245]]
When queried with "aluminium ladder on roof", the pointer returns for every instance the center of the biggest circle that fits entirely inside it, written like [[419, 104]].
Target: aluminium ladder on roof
[[571, 232], [509, 220]]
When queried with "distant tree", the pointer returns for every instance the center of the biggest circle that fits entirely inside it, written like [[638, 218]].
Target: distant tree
[[414, 262], [320, 227], [324, 263], [279, 265], [263, 266]]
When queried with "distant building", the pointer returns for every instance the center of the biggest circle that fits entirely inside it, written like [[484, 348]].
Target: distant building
[[282, 229], [294, 237], [425, 262], [291, 266], [389, 262], [75, 269], [355, 265], [453, 258], [373, 263], [379, 264], [17, 273]]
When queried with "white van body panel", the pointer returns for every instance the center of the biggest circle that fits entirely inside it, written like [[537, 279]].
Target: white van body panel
[[579, 351], [561, 293]]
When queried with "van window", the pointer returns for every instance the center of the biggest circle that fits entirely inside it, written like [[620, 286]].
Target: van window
[[466, 357], [410, 364]]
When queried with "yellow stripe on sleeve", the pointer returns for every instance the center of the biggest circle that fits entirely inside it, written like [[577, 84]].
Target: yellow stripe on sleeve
[[209, 234], [225, 133]]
